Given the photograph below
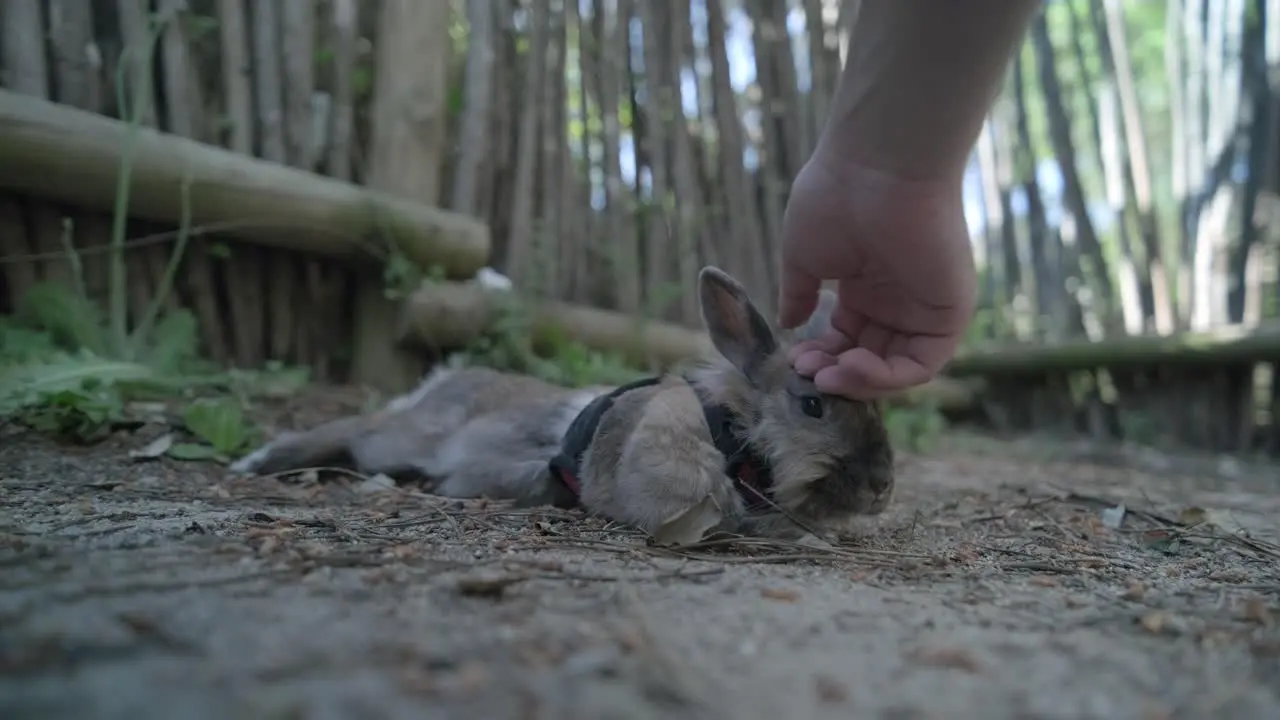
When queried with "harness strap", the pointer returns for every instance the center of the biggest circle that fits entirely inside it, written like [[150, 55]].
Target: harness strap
[[750, 472]]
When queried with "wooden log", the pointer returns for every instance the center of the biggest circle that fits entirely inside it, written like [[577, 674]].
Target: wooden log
[[58, 152], [443, 316], [1226, 345]]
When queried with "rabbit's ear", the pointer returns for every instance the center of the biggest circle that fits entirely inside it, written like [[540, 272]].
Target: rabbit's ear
[[819, 323], [738, 331]]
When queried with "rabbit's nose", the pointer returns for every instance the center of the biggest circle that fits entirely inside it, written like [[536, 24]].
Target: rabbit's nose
[[880, 481], [873, 465]]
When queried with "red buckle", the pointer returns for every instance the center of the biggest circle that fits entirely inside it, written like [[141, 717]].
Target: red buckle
[[570, 482]]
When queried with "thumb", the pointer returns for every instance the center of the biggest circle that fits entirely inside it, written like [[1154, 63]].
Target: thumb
[[798, 291]]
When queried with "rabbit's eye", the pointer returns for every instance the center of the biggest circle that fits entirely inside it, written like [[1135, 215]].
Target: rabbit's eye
[[812, 406]]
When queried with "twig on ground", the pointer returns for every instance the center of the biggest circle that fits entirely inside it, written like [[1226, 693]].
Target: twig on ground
[[1029, 504], [1039, 567]]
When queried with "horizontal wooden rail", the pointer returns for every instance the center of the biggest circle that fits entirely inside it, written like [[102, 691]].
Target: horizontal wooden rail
[[61, 153], [1222, 346]]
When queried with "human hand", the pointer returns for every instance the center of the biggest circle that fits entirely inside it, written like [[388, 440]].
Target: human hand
[[906, 284]]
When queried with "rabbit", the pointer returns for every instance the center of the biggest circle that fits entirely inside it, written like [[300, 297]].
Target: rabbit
[[466, 432], [738, 443]]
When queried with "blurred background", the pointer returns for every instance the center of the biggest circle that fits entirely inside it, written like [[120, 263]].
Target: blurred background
[[1125, 184]]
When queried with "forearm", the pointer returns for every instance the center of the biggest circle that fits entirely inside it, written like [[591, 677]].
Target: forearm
[[918, 81]]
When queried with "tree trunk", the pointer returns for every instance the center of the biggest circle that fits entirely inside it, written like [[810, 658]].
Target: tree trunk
[[1218, 195], [237, 74], [520, 251], [580, 263], [477, 95], [299, 284], [746, 238], [134, 31], [1193, 139], [77, 81], [1047, 290], [1064, 148], [694, 238], [342, 126], [405, 156], [610, 31], [660, 241], [1136, 304], [780, 147], [1115, 58], [1261, 146], [298, 32], [549, 232], [268, 95], [1003, 129], [26, 71]]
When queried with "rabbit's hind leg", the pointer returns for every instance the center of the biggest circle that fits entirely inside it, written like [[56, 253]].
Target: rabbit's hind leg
[[505, 455]]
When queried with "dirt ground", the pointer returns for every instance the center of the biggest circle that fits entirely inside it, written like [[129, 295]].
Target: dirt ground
[[999, 585]]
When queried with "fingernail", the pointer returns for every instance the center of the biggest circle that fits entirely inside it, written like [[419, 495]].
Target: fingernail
[[812, 362]]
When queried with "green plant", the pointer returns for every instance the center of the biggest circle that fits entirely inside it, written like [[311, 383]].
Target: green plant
[[81, 415], [220, 426], [914, 428], [509, 345], [69, 368]]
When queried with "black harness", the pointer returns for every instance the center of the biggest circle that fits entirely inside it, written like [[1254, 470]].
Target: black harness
[[750, 472]]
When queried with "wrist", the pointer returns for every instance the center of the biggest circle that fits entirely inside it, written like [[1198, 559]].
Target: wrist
[[888, 163], [884, 181]]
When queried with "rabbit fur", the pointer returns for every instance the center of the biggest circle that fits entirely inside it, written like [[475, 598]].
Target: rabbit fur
[[652, 461]]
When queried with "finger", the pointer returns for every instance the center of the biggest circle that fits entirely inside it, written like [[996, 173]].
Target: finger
[[840, 380], [810, 363], [876, 338], [864, 375], [801, 348], [895, 372], [798, 296], [831, 342]]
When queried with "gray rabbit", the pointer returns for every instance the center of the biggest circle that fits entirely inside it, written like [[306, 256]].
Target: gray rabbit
[[737, 443]]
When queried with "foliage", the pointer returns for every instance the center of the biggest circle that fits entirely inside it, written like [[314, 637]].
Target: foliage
[[70, 369], [221, 425], [85, 414], [51, 381], [914, 428], [509, 345]]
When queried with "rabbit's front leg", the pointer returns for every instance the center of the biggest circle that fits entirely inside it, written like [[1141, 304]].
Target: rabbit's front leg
[[670, 486], [781, 527]]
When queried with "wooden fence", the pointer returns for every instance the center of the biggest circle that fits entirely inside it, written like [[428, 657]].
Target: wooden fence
[[284, 264]]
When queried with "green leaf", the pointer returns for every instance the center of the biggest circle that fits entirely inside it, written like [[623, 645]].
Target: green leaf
[[219, 423], [174, 341], [24, 385], [20, 344], [194, 452], [72, 321], [79, 415]]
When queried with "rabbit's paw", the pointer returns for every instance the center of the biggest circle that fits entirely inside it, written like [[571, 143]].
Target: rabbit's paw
[[689, 526], [815, 542]]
